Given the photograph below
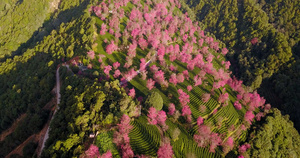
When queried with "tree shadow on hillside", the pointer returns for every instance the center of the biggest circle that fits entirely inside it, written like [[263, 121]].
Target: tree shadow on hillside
[[282, 92], [48, 26], [26, 88]]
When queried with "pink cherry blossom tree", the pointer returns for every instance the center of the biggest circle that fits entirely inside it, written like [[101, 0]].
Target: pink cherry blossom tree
[[117, 74], [205, 97], [93, 151], [159, 76], [228, 145], [132, 50], [127, 151], [121, 138], [243, 148], [173, 79], [197, 80], [91, 54], [203, 136], [237, 105], [200, 42], [172, 68], [103, 29], [249, 117], [108, 154], [186, 110], [111, 47], [165, 150], [124, 125], [189, 88], [101, 56], [116, 65], [184, 98], [154, 68], [259, 115], [143, 43], [143, 64], [186, 74], [223, 98], [132, 93], [150, 83], [130, 74], [180, 77], [215, 141], [171, 109], [107, 69], [199, 120], [161, 119], [152, 114]]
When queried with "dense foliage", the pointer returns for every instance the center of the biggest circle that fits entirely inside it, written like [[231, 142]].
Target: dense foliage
[[18, 24], [26, 79], [32, 124], [263, 37], [86, 107], [276, 137]]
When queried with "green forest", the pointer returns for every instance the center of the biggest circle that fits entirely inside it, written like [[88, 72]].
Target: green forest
[[264, 40], [150, 78]]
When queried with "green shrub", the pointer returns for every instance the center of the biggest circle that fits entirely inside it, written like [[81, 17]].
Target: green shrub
[[154, 99], [104, 141]]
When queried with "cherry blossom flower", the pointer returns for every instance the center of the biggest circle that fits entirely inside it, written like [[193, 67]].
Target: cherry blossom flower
[[132, 92], [249, 117], [172, 109], [189, 88], [116, 65], [237, 105], [117, 74], [91, 54], [150, 84], [205, 97], [152, 114], [107, 69], [165, 151], [199, 120], [93, 151], [111, 47], [103, 29]]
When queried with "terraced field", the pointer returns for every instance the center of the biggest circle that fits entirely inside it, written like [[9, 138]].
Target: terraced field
[[145, 138]]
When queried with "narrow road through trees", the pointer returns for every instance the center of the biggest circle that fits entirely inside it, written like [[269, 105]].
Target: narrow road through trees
[[57, 107]]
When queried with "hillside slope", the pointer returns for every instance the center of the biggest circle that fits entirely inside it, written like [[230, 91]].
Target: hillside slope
[[209, 110], [264, 38], [26, 79], [146, 81]]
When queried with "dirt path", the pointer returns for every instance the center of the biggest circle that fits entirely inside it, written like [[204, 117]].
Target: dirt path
[[40, 138], [12, 128], [37, 138], [19, 150], [45, 134]]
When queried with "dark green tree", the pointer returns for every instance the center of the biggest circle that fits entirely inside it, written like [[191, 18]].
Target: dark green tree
[[276, 137]]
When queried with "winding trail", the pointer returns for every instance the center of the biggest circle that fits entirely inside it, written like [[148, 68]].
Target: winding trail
[[57, 108]]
